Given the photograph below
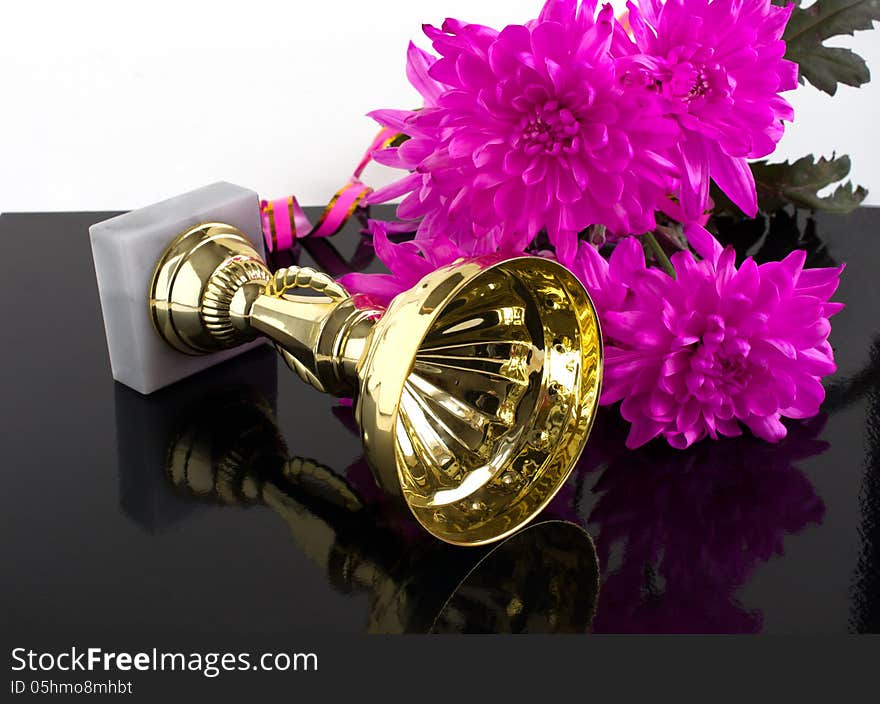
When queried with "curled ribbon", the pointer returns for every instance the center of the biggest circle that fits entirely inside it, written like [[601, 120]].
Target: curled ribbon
[[284, 220]]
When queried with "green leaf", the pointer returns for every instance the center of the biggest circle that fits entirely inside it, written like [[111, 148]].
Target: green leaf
[[798, 184], [807, 30]]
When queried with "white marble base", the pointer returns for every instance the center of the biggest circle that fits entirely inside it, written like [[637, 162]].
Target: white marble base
[[126, 249]]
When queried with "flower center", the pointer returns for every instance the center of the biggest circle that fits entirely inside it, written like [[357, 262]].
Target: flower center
[[688, 82], [550, 128], [719, 362]]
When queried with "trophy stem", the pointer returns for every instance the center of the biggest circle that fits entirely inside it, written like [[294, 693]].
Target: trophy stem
[[212, 291], [320, 338]]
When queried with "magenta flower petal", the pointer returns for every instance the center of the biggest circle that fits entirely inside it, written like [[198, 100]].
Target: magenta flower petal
[[395, 119], [695, 176], [705, 244], [418, 62], [393, 190], [643, 429], [408, 262], [734, 177], [381, 288]]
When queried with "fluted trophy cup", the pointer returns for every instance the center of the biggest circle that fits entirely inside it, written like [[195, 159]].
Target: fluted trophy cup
[[475, 390]]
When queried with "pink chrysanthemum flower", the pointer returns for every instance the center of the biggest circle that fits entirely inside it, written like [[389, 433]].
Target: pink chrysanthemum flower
[[692, 355], [408, 262], [526, 129], [719, 67]]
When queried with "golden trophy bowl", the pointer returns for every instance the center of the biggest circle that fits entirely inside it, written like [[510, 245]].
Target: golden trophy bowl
[[475, 391]]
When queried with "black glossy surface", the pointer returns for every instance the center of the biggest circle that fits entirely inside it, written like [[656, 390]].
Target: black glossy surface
[[736, 536]]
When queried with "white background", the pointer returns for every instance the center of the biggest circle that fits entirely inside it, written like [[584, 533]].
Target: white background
[[114, 105]]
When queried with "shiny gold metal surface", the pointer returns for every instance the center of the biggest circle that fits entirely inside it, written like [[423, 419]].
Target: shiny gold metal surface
[[475, 391]]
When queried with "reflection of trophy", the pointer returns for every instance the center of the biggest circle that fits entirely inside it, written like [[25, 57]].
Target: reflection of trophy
[[475, 391], [144, 425], [542, 579]]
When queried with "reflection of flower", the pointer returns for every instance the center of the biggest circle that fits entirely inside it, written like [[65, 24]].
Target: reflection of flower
[[692, 355], [719, 67], [529, 128], [691, 527]]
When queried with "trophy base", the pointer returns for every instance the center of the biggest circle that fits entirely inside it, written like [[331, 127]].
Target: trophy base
[[195, 284], [125, 249]]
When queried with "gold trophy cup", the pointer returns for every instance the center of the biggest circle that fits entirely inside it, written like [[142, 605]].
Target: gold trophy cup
[[475, 390]]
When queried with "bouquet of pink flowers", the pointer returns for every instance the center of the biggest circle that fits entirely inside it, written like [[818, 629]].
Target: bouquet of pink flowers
[[606, 143]]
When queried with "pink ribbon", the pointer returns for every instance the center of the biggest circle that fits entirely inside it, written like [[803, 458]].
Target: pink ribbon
[[284, 220]]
